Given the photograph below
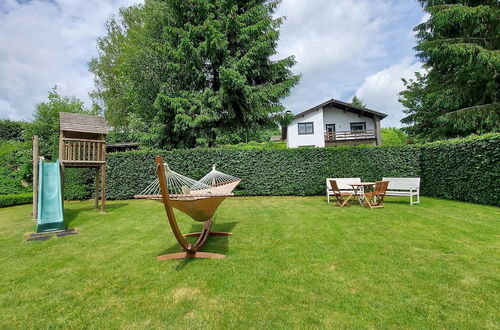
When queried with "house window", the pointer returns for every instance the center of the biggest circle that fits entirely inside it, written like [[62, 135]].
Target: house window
[[358, 126], [330, 128], [306, 128]]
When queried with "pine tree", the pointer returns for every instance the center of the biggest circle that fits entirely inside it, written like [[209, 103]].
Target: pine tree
[[198, 69], [459, 93], [358, 102]]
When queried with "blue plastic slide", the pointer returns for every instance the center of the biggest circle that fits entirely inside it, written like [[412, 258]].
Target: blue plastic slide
[[50, 200]]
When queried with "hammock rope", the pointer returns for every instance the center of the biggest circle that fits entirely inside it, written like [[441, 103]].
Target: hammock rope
[[215, 183]]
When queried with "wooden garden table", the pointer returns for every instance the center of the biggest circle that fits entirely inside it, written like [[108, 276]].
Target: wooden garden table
[[356, 187]]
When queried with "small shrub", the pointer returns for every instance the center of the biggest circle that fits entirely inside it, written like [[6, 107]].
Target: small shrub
[[15, 167], [11, 200], [11, 130]]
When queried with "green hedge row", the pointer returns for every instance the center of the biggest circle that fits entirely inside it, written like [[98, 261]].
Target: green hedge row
[[79, 183], [265, 172], [464, 169], [11, 200]]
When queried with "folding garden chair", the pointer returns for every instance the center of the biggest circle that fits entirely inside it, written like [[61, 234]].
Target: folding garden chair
[[375, 199], [342, 197]]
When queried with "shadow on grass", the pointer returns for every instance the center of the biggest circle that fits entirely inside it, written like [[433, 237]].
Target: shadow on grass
[[398, 201], [71, 214], [215, 244]]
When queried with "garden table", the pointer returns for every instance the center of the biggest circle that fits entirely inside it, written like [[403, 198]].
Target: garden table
[[360, 187]]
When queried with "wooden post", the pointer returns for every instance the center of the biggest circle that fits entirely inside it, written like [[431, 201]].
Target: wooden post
[[103, 178], [103, 187], [36, 154], [97, 188], [62, 154]]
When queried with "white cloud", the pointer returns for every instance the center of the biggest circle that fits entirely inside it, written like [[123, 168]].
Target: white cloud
[[7, 110], [380, 91], [339, 43], [47, 43]]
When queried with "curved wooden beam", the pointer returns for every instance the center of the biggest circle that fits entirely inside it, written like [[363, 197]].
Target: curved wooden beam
[[191, 250], [166, 202]]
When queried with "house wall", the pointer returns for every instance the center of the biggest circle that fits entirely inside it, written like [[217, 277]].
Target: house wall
[[329, 115], [343, 119], [294, 140]]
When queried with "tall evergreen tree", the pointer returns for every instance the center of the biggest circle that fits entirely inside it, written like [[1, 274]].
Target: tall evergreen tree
[[194, 69], [459, 93], [358, 101]]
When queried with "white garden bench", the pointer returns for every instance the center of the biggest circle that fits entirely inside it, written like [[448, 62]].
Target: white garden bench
[[404, 187], [343, 184]]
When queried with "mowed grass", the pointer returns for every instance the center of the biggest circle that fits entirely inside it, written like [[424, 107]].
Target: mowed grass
[[292, 263]]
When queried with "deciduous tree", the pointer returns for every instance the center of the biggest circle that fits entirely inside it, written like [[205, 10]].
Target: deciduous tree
[[46, 120]]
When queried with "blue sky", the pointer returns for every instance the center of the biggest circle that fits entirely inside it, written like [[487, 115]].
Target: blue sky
[[343, 47]]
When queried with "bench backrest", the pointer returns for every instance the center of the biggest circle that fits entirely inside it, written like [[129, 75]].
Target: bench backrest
[[402, 183], [343, 183]]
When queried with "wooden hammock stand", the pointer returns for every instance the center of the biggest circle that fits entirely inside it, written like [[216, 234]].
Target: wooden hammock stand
[[208, 203]]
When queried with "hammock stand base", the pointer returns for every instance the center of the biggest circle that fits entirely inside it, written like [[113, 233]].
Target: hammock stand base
[[212, 233], [190, 255], [193, 254], [190, 250]]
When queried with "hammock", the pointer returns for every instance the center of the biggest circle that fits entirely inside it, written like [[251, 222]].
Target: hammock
[[198, 199]]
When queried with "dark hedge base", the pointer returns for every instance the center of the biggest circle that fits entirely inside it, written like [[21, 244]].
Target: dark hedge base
[[465, 169]]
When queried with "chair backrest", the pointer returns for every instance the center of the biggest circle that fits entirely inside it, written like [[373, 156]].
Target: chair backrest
[[343, 183], [381, 187], [334, 186], [403, 183]]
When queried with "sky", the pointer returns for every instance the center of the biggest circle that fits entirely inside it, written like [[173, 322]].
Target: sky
[[343, 48]]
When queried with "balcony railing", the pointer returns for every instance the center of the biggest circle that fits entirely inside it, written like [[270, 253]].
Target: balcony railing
[[350, 135], [83, 151]]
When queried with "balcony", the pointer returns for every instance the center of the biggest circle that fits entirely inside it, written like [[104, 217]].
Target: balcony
[[82, 152], [350, 135]]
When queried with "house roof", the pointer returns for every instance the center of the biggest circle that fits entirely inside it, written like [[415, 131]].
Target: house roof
[[344, 106], [74, 122]]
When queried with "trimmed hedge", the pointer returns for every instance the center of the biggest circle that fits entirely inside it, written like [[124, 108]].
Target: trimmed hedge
[[11, 200], [462, 169], [265, 172], [79, 183]]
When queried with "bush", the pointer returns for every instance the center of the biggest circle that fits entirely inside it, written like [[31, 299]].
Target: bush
[[463, 169], [79, 183], [257, 145], [15, 167], [265, 172], [11, 130], [393, 137], [11, 200]]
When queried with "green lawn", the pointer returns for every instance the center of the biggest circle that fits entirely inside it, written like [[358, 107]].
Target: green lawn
[[292, 262]]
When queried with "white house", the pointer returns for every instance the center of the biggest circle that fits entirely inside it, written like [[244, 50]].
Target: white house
[[335, 123]]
